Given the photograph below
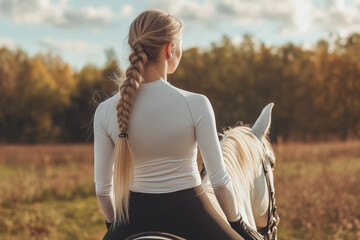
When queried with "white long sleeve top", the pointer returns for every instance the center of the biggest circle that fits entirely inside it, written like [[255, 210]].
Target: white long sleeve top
[[166, 125]]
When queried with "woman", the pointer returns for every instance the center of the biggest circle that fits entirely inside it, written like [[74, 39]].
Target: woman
[[156, 128]]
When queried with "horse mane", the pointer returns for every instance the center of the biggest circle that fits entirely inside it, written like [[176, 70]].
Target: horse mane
[[242, 152], [242, 157]]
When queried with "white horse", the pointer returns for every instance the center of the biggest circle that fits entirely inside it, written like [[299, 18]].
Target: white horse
[[248, 155]]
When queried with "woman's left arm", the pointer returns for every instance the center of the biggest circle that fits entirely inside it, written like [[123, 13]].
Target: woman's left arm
[[103, 163]]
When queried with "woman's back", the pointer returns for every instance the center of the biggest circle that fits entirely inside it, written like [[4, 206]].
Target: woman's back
[[158, 188], [165, 125]]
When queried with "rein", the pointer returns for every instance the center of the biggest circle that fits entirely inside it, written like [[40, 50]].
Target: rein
[[270, 230]]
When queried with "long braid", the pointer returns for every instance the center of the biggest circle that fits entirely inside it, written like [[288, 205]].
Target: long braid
[[130, 85], [123, 166]]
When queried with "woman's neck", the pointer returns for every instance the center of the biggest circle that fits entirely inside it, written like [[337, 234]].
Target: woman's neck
[[153, 72]]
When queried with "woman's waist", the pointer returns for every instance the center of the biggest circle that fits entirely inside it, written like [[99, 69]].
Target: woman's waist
[[165, 197], [157, 175], [159, 184]]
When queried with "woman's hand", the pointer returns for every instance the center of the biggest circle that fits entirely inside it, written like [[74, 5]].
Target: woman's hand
[[245, 231]]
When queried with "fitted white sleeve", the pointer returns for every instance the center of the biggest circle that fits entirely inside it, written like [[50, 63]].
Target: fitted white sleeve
[[103, 163], [209, 145]]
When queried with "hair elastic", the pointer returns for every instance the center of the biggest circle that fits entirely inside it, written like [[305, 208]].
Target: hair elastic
[[123, 135]]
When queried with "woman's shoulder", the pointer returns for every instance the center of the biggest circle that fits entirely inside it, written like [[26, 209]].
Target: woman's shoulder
[[191, 97], [103, 106]]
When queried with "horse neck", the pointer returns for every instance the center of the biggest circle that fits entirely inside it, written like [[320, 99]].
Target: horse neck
[[244, 194], [243, 174], [243, 202], [247, 172]]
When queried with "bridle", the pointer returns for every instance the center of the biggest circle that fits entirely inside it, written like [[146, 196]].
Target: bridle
[[270, 230]]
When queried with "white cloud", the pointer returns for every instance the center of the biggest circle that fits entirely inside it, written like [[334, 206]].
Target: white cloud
[[336, 16], [188, 9], [58, 14], [291, 16], [76, 46], [126, 11], [7, 42]]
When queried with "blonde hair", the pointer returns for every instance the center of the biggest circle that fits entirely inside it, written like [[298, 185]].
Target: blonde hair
[[147, 35]]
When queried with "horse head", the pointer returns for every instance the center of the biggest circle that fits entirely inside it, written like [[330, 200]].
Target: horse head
[[250, 160], [266, 223]]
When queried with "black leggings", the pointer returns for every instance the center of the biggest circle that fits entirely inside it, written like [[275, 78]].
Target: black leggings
[[186, 213]]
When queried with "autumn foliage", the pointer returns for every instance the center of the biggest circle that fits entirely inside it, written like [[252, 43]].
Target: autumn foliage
[[315, 91]]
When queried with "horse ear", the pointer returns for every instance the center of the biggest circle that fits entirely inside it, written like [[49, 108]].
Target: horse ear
[[262, 124]]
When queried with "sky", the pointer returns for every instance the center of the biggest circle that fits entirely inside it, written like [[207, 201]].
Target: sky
[[81, 30]]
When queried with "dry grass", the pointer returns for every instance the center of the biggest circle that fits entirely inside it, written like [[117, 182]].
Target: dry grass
[[47, 192], [37, 173], [318, 191]]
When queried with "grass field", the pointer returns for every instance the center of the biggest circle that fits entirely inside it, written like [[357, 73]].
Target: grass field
[[47, 192]]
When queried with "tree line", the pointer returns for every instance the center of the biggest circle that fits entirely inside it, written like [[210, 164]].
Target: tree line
[[316, 90]]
